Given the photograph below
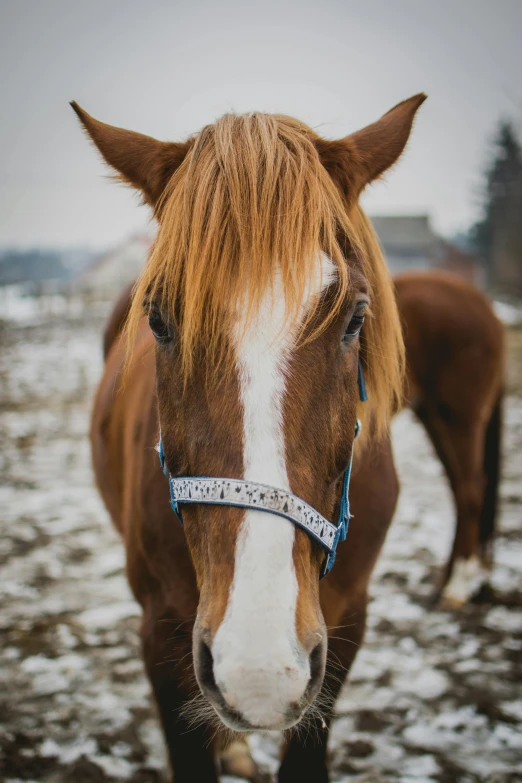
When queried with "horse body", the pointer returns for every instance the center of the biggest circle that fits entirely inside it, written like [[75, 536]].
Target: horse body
[[256, 291], [455, 374]]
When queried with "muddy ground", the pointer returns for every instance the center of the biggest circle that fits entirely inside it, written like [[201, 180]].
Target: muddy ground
[[434, 695]]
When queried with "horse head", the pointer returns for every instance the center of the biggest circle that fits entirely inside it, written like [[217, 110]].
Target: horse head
[[264, 290]]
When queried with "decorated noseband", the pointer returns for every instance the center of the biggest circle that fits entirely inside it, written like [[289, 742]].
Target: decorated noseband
[[261, 497]]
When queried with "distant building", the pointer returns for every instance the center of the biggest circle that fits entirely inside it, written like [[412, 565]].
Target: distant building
[[409, 243]]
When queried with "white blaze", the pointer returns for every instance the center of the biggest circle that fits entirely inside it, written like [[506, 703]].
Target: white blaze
[[259, 664]]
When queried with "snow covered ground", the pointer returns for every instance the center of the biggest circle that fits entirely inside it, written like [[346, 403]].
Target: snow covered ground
[[433, 696]]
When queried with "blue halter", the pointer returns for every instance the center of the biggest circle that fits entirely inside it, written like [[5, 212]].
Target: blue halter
[[260, 497]]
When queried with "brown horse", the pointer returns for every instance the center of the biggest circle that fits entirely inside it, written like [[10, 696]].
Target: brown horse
[[256, 291], [454, 383]]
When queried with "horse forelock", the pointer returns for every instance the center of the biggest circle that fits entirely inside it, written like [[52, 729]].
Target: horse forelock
[[250, 201], [252, 207]]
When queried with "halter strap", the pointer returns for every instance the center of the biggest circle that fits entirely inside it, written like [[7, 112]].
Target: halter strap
[[261, 497], [248, 494]]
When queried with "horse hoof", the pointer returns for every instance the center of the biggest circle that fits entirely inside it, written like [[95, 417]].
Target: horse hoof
[[237, 761], [468, 578], [448, 603]]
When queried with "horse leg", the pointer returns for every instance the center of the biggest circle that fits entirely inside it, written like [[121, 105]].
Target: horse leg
[[168, 662], [488, 514], [460, 447], [476, 499], [305, 753], [465, 572]]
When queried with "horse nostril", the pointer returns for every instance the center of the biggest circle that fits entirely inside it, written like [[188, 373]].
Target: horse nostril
[[205, 667], [317, 666]]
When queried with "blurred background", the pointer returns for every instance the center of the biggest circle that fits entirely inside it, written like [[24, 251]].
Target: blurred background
[[434, 696], [166, 70]]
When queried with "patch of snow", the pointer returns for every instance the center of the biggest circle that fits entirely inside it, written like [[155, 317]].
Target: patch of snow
[[513, 708], [396, 608], [420, 766], [114, 766], [68, 664], [49, 748], [510, 315], [426, 684], [109, 614], [84, 746], [500, 618], [507, 735]]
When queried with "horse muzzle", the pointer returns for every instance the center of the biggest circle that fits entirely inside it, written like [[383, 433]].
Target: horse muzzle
[[249, 693]]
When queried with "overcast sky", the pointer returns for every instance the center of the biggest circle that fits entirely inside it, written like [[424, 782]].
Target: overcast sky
[[168, 67]]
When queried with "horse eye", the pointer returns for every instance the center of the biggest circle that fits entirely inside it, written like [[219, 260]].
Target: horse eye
[[355, 325], [158, 327]]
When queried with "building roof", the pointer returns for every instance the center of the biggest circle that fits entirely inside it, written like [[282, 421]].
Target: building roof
[[405, 232]]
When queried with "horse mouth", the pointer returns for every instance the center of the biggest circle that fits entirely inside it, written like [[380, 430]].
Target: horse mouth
[[234, 720]]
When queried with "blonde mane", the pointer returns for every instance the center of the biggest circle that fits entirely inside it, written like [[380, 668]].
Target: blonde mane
[[252, 200]]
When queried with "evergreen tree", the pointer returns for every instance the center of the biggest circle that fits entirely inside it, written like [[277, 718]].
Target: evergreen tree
[[497, 237]]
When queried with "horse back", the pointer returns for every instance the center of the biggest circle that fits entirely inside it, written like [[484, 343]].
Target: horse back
[[454, 342]]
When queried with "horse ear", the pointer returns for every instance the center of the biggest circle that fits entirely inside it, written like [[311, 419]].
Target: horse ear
[[143, 162], [362, 157]]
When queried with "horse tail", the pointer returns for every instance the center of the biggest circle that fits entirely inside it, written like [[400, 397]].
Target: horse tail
[[117, 318], [492, 461]]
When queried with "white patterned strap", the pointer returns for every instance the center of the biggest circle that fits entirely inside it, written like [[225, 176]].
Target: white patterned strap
[[247, 494]]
